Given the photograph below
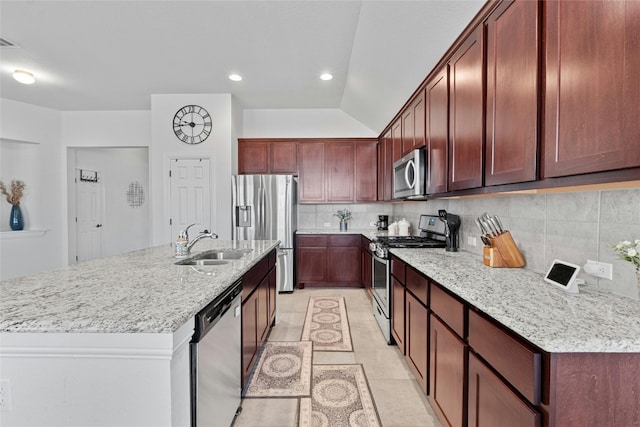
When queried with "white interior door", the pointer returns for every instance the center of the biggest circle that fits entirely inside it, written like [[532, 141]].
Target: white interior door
[[89, 218], [190, 195]]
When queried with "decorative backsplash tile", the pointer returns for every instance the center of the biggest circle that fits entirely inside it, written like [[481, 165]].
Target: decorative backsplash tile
[[574, 226]]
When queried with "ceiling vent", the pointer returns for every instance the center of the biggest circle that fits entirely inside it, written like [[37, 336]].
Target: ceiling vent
[[7, 43]]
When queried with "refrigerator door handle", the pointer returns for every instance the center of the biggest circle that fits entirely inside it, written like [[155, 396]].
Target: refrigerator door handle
[[284, 277]]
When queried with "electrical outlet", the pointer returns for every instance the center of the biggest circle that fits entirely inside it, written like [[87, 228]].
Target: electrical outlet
[[327, 224], [373, 224], [471, 241], [5, 395], [599, 269]]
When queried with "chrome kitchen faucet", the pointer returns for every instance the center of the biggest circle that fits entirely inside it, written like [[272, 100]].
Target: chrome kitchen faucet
[[200, 236]]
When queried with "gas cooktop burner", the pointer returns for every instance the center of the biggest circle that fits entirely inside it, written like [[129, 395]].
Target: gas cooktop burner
[[382, 243], [410, 241]]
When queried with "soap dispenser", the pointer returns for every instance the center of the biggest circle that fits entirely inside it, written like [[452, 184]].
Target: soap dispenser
[[181, 245]]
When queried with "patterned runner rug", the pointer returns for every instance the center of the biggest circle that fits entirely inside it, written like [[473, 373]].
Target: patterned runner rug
[[326, 324], [340, 398], [284, 370]]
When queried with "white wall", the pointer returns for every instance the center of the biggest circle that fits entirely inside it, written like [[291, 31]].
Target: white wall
[[30, 150], [302, 123], [106, 128], [165, 145], [125, 228]]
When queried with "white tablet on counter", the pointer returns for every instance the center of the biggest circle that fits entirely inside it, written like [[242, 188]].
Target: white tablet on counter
[[563, 275]]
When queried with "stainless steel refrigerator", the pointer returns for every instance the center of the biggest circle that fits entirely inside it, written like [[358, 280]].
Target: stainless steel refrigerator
[[265, 208]]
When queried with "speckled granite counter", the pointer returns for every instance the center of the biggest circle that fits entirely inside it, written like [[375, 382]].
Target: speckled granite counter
[[141, 291], [555, 321], [368, 232]]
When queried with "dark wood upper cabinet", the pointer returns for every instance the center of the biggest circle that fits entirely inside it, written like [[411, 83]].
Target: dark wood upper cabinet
[[407, 130], [283, 157], [512, 93], [396, 138], [253, 157], [437, 129], [339, 172], [365, 171], [466, 113], [413, 125], [266, 156], [311, 162], [388, 166], [385, 164], [419, 127], [382, 171], [592, 88]]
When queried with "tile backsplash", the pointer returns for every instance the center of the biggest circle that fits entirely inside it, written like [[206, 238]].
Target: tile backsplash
[[572, 226]]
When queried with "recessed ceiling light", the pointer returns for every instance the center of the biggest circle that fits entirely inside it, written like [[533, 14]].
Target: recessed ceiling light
[[24, 77], [326, 76], [235, 77]]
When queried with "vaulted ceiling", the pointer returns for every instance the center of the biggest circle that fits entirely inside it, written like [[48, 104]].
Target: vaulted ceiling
[[112, 55]]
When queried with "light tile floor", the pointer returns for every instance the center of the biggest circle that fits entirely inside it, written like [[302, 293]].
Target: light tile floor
[[396, 393]]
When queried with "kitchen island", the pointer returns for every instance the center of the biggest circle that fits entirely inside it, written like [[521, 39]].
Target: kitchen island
[[105, 342]]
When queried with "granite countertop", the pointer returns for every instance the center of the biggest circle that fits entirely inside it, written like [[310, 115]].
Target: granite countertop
[[138, 292], [548, 317], [370, 233]]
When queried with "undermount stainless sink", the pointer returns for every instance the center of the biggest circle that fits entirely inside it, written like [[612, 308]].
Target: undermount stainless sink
[[213, 257], [220, 255], [192, 261]]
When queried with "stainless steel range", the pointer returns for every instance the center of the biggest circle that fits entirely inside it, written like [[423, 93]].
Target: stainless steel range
[[432, 235]]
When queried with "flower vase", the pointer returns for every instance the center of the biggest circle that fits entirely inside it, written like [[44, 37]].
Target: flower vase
[[16, 222], [343, 225]]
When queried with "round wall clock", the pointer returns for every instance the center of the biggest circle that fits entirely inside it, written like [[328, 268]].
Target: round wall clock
[[192, 124]]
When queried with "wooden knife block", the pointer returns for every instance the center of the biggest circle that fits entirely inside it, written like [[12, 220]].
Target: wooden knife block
[[503, 252]]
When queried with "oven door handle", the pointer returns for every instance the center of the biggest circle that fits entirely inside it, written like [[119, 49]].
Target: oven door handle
[[380, 260]]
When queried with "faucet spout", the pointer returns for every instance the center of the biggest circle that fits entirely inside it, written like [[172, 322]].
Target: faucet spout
[[202, 235]]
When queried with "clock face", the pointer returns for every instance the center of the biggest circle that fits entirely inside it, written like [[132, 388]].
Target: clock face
[[192, 124]]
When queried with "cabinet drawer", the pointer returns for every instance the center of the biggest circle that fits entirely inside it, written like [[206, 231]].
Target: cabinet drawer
[[312, 241], [352, 240], [516, 361], [398, 269], [448, 308], [418, 285]]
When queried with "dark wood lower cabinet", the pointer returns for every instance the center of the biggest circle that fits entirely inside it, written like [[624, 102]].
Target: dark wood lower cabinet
[[447, 374], [249, 335], [398, 313], [344, 265], [493, 404], [328, 260], [367, 265], [416, 327], [258, 310]]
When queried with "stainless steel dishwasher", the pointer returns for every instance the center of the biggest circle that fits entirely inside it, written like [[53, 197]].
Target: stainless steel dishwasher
[[216, 354]]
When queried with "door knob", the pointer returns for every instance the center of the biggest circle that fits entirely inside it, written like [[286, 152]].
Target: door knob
[[99, 225]]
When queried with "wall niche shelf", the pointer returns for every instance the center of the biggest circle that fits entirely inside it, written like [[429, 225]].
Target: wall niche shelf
[[22, 234]]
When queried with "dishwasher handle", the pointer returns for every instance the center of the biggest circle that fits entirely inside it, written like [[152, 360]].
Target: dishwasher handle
[[211, 314]]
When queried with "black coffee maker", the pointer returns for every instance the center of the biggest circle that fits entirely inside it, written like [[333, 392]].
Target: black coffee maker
[[452, 227], [383, 222]]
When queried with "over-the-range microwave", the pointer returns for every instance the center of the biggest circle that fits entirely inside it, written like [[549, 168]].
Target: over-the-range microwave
[[409, 176]]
